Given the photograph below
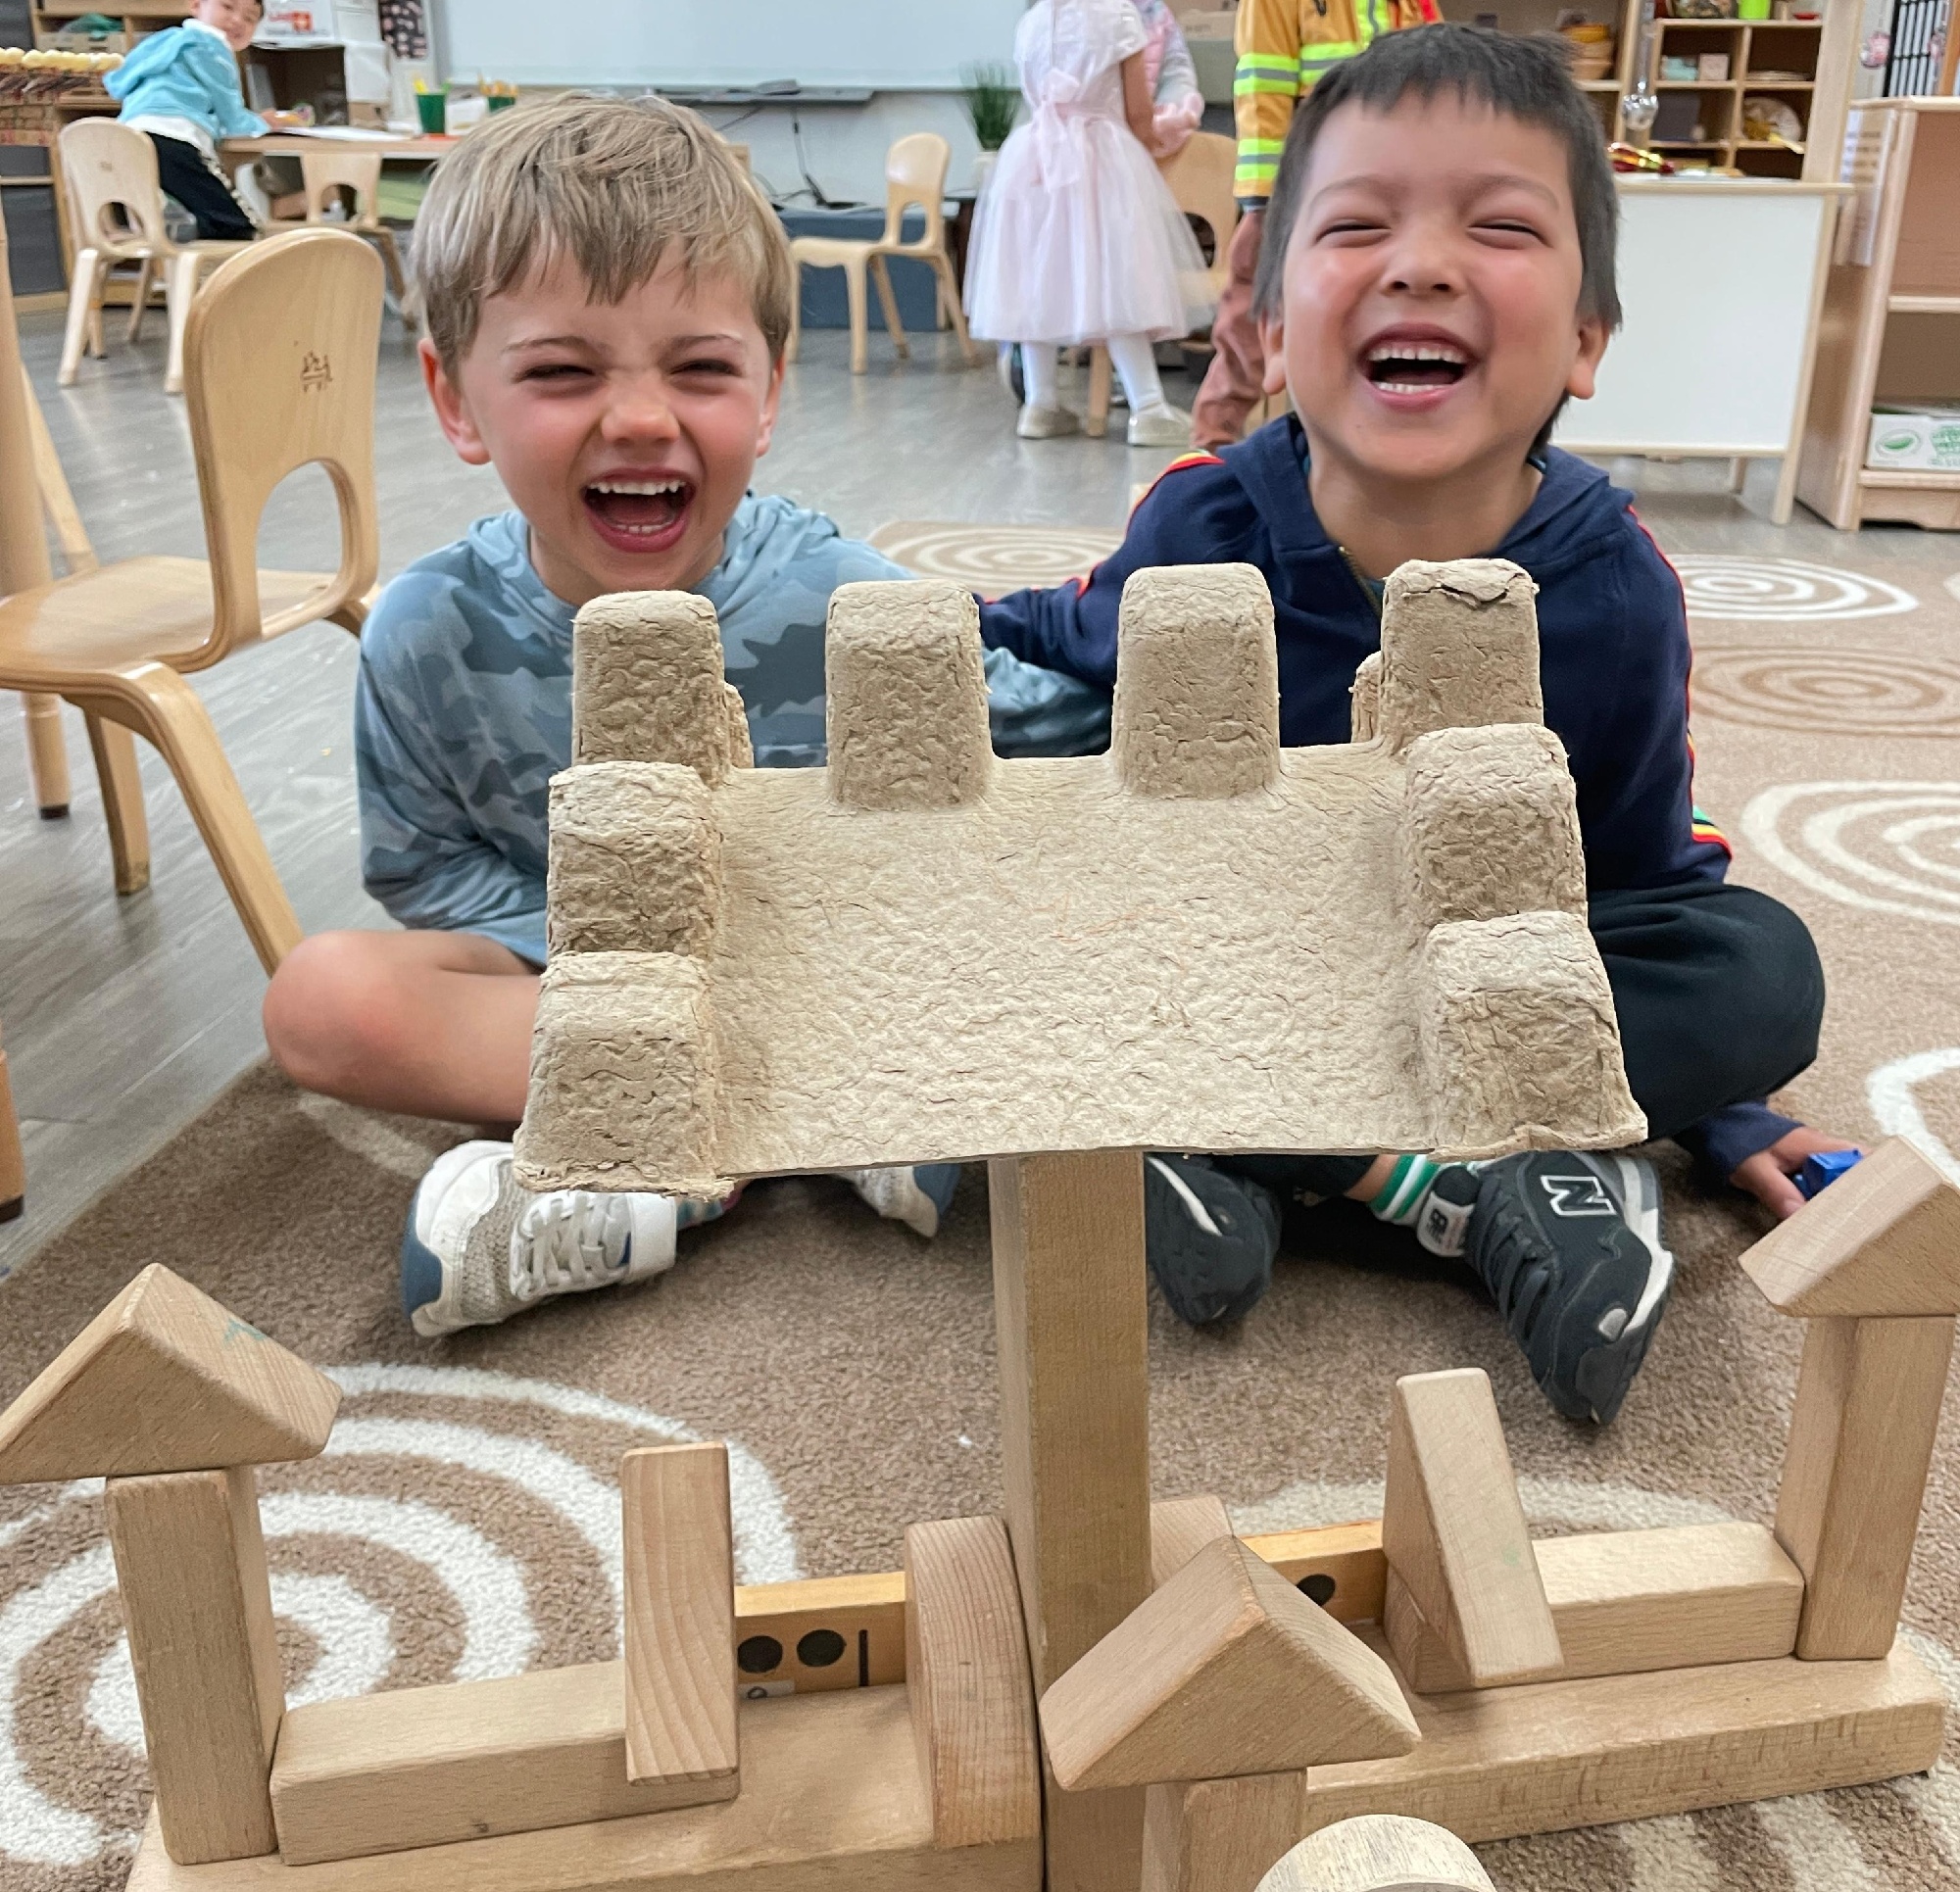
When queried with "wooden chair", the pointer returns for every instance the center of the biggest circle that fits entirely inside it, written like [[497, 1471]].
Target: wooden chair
[[116, 208], [280, 373], [1200, 176], [13, 1165], [325, 175], [914, 174]]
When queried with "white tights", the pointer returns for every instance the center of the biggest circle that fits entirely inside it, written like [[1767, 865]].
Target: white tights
[[1133, 360]]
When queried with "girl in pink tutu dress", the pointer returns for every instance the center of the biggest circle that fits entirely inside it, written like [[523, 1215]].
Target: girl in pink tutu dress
[[1076, 237]]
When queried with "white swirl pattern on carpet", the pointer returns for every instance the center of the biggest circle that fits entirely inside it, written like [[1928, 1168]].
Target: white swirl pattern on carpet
[[1888, 846], [1721, 584]]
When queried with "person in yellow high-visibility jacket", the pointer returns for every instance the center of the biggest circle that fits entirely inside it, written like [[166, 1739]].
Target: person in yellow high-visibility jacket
[[1284, 46]]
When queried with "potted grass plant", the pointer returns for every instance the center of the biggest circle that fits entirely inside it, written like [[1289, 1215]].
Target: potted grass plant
[[992, 95]]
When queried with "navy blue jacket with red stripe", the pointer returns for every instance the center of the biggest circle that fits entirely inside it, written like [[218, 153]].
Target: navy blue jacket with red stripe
[[1612, 631]]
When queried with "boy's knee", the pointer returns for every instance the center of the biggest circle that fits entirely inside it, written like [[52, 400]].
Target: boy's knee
[[320, 1013]]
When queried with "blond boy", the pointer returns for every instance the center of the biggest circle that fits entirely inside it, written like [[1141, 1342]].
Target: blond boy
[[607, 298]]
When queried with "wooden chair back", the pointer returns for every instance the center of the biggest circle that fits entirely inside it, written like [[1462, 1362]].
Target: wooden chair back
[[279, 374], [324, 174], [916, 173], [114, 201], [1200, 176]]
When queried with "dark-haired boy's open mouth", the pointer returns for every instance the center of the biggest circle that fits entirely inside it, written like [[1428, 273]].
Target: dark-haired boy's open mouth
[[1416, 367]]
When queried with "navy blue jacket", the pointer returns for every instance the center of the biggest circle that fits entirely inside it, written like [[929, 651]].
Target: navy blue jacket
[[1612, 633]]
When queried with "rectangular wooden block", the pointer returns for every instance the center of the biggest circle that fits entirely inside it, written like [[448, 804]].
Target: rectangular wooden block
[[190, 1562], [831, 1797], [1218, 1835], [821, 1632], [425, 1766], [1626, 1601], [1339, 1565], [680, 1614], [1496, 1762], [1868, 1401]]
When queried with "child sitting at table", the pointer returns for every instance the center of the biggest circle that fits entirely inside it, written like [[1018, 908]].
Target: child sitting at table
[[180, 87]]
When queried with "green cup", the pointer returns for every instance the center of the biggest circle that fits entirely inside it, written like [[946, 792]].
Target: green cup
[[501, 101], [1753, 9], [433, 108]]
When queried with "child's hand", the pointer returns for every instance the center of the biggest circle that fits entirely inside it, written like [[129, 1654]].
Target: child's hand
[[1766, 1175]]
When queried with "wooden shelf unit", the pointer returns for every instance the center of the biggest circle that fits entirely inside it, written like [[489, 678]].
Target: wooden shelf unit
[[1891, 317]]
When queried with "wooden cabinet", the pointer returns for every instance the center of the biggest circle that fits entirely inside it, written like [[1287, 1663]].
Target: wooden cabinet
[[1891, 316]]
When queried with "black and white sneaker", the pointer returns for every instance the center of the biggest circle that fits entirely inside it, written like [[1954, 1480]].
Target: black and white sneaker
[[1569, 1245], [1211, 1238]]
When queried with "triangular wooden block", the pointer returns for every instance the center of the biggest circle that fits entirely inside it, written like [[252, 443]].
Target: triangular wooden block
[[1453, 1531], [1225, 1670], [1882, 1240], [164, 1379]]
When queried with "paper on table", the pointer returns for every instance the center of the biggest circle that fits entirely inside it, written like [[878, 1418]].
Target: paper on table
[[346, 133]]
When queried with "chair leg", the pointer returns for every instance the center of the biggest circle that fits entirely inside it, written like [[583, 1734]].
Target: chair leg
[[85, 284], [13, 1165], [949, 296], [860, 320], [166, 709], [391, 260], [179, 292], [139, 305], [1095, 422], [795, 341], [115, 750], [889, 303], [47, 755]]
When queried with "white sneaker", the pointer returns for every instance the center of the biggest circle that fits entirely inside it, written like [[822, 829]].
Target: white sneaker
[[1159, 424], [478, 1249], [1049, 423], [917, 1195]]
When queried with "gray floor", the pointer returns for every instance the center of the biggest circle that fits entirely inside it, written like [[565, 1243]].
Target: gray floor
[[123, 1018]]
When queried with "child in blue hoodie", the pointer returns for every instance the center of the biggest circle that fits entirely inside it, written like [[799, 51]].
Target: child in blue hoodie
[[182, 87], [1438, 279]]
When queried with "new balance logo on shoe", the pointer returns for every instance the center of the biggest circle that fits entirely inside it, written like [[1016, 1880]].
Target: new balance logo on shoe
[[1578, 1195]]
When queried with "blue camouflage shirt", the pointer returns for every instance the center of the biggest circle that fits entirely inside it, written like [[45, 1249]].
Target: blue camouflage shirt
[[463, 705]]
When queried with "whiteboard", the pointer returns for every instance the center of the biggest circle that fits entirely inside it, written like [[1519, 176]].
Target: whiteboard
[[889, 45], [1716, 286]]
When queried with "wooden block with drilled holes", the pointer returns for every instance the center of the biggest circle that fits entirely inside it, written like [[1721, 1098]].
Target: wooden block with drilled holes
[[1217, 1835], [831, 1798], [1379, 1853], [1071, 1318], [1626, 1601], [191, 1566], [1868, 1398], [428, 1766], [1226, 1670], [1180, 1528], [1453, 1531], [1882, 1240], [164, 1379], [966, 1665], [1495, 1762], [680, 1616]]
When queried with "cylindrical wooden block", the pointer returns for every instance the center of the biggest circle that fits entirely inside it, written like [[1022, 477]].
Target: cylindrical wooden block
[[192, 1565]]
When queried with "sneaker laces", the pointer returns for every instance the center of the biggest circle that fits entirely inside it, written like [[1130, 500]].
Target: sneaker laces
[[568, 1240]]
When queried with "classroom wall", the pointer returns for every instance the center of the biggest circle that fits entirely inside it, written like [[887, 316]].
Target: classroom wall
[[845, 145]]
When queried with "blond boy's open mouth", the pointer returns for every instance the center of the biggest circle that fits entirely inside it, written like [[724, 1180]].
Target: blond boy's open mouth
[[639, 513]]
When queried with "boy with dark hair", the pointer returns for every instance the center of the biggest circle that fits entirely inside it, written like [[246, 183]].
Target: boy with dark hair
[[1436, 281]]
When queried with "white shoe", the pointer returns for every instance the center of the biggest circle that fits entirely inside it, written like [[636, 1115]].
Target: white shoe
[[478, 1249], [1047, 424], [917, 1195], [1160, 426]]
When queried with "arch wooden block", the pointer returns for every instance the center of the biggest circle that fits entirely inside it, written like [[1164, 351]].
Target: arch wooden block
[[164, 1379], [1379, 1853], [1224, 1670], [925, 953]]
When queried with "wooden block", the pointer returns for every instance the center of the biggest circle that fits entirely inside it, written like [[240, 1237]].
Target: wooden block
[[1545, 1756], [1453, 1531], [1217, 1835], [831, 1798], [1341, 1567], [1628, 1601], [164, 1379], [1180, 1528], [821, 1632], [425, 1766], [1882, 1240], [192, 1565], [1071, 1316], [1868, 1400], [966, 1665], [1379, 1853], [1226, 1670], [680, 1614]]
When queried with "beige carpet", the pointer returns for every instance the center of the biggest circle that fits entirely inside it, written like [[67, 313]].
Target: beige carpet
[[464, 1523]]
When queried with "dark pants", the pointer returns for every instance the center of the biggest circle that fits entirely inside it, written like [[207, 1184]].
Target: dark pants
[[196, 182], [1720, 995]]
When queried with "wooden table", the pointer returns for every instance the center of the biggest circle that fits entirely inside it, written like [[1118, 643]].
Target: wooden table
[[296, 144]]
